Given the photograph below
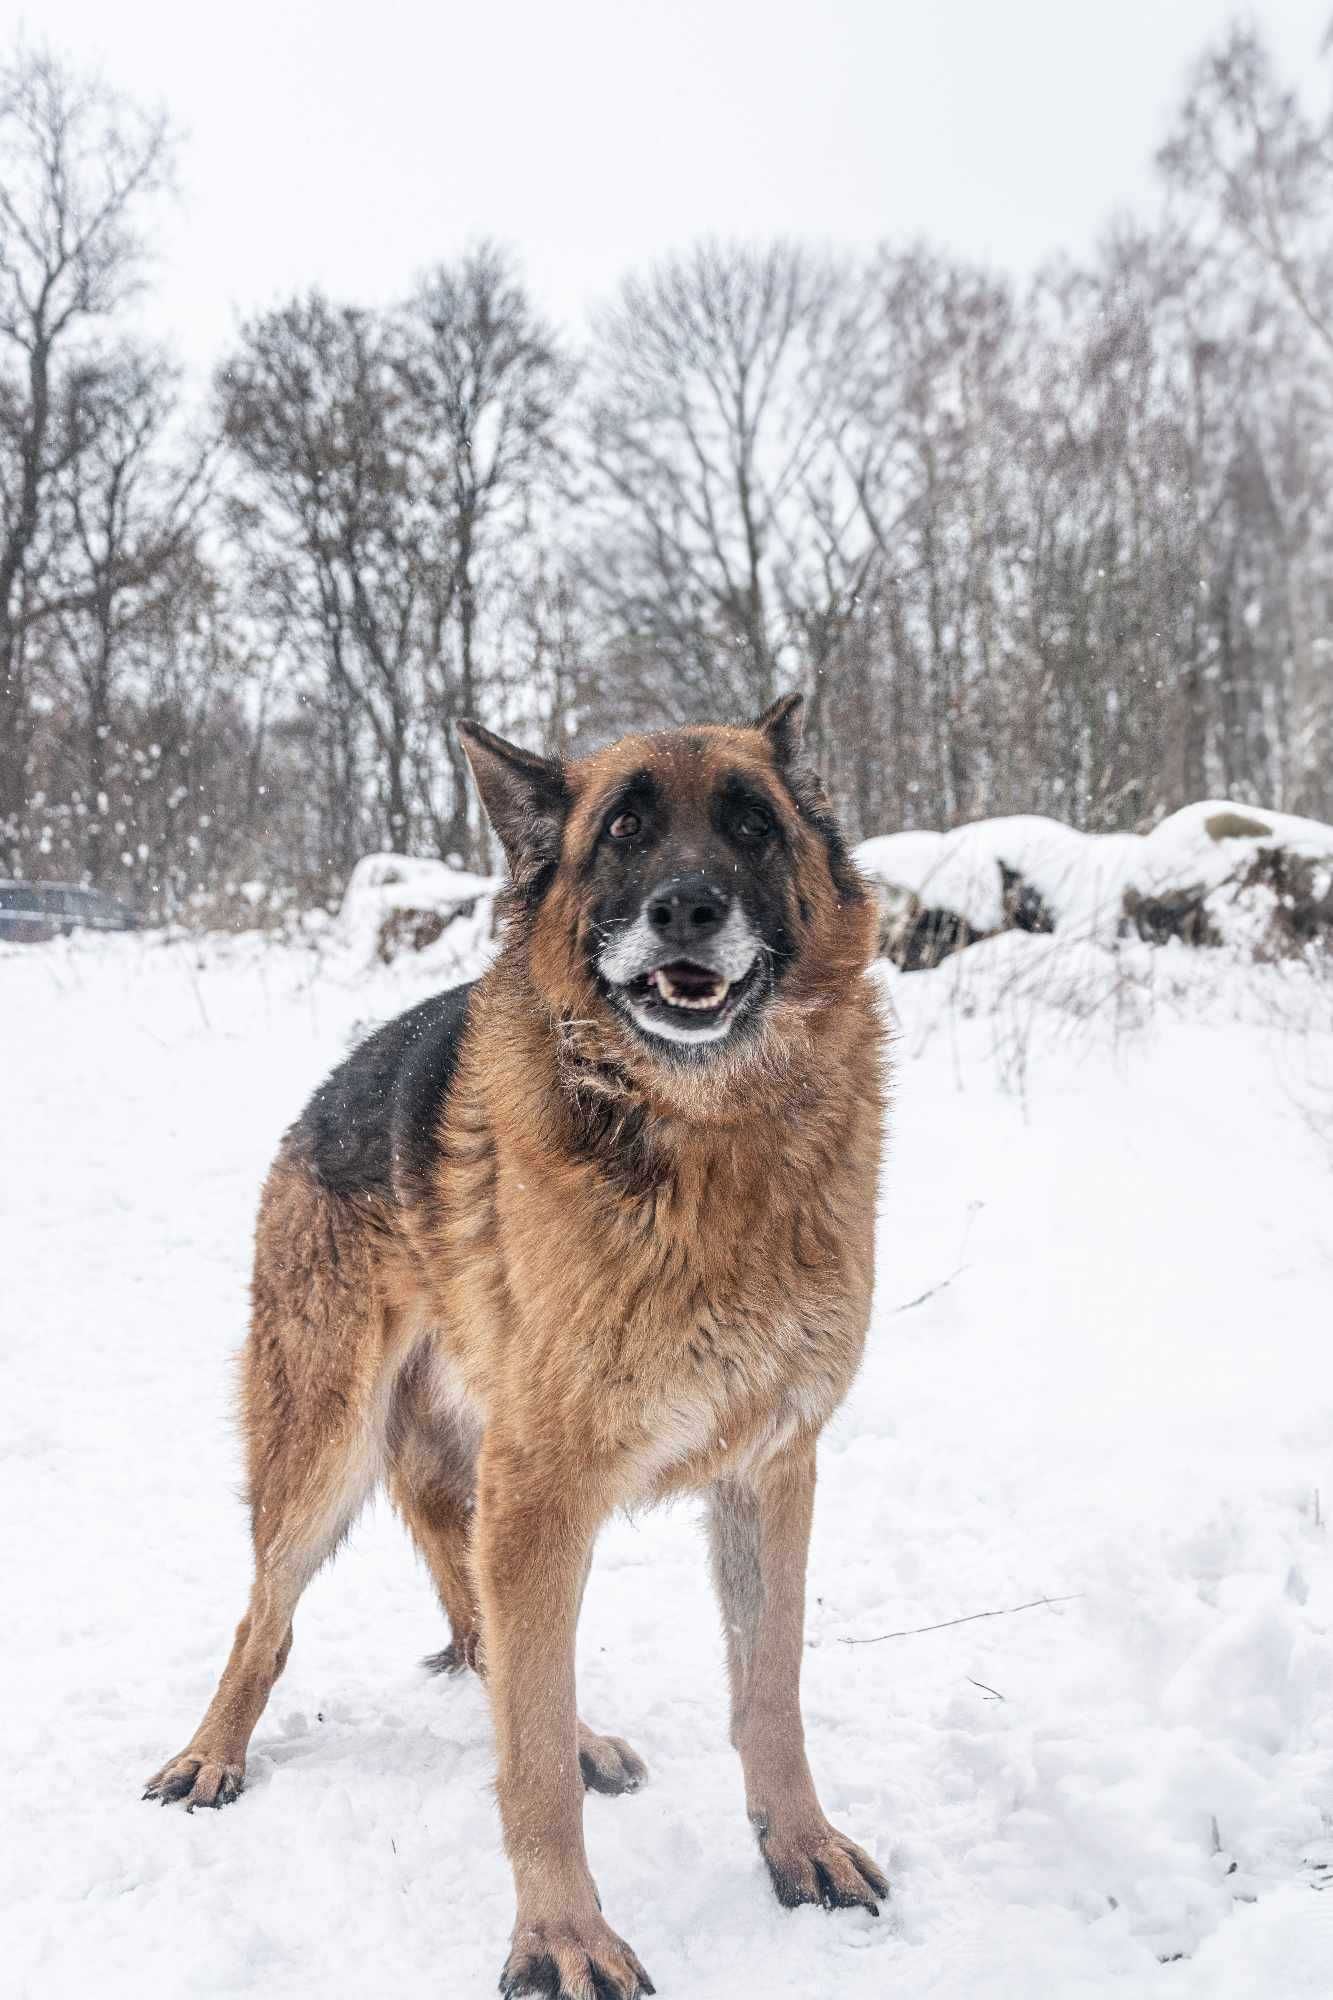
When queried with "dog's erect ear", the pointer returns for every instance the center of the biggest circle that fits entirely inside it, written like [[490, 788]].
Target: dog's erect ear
[[781, 724], [525, 796]]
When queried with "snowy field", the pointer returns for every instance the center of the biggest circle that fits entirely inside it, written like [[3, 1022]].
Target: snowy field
[[1101, 1374]]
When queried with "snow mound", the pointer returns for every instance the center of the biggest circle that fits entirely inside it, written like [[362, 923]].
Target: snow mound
[[1214, 873], [400, 902]]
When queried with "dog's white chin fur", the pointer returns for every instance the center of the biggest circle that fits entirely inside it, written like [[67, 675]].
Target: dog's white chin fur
[[673, 1031]]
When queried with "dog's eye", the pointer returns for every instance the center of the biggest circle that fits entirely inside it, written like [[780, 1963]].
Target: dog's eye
[[754, 823], [624, 826]]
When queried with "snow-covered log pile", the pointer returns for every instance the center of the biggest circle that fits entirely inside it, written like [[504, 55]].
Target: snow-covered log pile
[[396, 902], [1215, 874]]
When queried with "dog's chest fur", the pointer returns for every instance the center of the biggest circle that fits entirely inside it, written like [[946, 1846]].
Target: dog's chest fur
[[682, 1296]]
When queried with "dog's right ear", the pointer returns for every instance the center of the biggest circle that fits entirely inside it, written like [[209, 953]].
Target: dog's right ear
[[782, 723], [525, 796]]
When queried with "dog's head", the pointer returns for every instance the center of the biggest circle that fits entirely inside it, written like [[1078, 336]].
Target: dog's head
[[685, 892]]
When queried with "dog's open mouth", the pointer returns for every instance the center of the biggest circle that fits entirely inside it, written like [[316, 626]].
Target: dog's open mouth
[[695, 987], [693, 997]]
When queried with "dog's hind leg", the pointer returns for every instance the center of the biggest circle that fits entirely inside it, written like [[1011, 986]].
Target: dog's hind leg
[[432, 1480], [315, 1406], [607, 1763]]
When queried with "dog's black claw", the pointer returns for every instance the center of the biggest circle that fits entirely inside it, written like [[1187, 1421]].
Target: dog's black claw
[[785, 1890], [877, 1883], [450, 1661], [457, 1657], [605, 1987], [537, 1972], [539, 1975], [613, 1769], [840, 1877], [834, 1898]]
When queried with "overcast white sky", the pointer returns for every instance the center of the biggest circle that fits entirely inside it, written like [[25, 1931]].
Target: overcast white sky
[[351, 144]]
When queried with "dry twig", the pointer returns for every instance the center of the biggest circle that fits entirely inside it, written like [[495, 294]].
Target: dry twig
[[1006, 1611]]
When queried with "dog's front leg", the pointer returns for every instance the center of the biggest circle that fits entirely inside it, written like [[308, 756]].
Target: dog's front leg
[[760, 1536], [535, 1526]]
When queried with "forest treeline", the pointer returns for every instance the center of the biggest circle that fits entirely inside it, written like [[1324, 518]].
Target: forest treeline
[[1061, 545]]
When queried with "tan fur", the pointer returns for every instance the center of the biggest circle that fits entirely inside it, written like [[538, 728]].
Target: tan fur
[[625, 1278]]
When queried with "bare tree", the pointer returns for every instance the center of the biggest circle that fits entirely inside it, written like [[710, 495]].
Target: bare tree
[[130, 515], [313, 408], [1252, 169], [487, 384], [709, 460], [1260, 167], [925, 432], [78, 166]]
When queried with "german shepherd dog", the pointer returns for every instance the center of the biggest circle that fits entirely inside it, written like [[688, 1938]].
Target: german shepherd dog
[[594, 1230]]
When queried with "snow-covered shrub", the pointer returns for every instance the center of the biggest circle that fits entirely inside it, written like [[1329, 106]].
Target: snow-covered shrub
[[397, 902], [240, 907]]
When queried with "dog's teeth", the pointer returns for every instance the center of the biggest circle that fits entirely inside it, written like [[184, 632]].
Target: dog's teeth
[[698, 1003]]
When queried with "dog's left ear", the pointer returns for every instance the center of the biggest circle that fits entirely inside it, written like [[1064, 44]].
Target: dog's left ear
[[782, 724], [525, 796]]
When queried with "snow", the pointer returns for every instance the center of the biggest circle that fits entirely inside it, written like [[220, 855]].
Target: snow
[[1098, 1373], [1082, 877]]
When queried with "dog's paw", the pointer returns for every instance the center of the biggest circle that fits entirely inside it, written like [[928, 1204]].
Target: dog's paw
[[608, 1764], [199, 1781], [572, 1958], [457, 1657], [820, 1865]]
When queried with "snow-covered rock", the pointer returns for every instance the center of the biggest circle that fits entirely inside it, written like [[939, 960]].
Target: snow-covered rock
[[1256, 880], [401, 902], [1214, 873]]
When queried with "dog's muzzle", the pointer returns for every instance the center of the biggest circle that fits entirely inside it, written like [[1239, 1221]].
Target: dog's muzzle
[[684, 969]]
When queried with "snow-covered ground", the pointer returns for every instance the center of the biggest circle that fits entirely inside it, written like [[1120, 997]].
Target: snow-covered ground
[[1100, 1373]]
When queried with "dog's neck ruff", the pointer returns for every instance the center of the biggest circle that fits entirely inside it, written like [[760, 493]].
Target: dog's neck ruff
[[759, 1077]]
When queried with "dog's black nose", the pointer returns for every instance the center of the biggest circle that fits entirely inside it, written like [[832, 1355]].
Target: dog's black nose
[[686, 909]]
